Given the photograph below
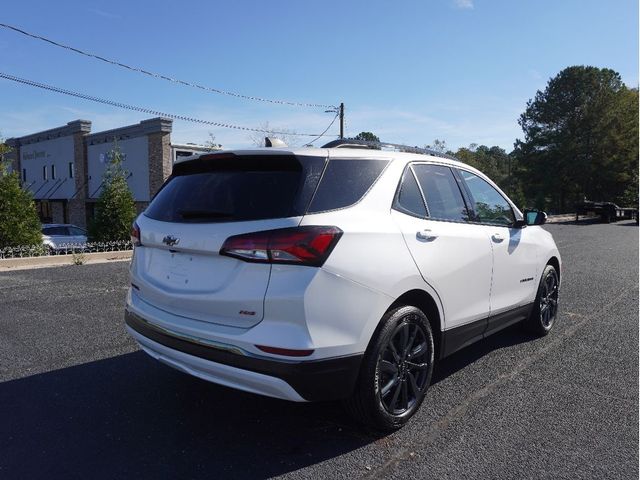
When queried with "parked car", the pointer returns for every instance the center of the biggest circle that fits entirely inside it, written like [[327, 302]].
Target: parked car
[[58, 237], [336, 273]]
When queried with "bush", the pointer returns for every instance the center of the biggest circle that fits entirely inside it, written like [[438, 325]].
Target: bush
[[115, 208], [19, 222]]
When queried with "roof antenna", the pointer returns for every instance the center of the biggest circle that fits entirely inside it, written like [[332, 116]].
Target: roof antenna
[[274, 142]]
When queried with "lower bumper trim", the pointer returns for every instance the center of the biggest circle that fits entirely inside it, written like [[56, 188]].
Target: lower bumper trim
[[313, 380]]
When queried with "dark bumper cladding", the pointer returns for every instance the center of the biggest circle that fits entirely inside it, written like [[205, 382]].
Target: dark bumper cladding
[[314, 380]]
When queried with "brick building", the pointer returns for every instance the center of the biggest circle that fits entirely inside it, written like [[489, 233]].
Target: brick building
[[63, 167]]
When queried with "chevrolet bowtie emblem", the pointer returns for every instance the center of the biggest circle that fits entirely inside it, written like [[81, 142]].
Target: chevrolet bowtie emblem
[[170, 240]]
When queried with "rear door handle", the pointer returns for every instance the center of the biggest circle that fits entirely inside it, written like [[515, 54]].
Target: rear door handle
[[496, 237], [426, 234]]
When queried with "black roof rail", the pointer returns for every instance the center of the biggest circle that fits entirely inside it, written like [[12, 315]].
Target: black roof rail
[[371, 145]]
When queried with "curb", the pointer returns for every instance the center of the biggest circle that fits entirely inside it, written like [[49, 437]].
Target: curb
[[57, 260]]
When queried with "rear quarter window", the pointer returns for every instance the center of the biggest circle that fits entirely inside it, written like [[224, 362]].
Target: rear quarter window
[[345, 182]]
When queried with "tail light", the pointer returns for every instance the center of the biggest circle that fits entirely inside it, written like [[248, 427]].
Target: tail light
[[308, 245], [135, 235]]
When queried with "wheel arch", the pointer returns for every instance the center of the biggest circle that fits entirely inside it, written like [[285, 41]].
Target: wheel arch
[[555, 262], [425, 302]]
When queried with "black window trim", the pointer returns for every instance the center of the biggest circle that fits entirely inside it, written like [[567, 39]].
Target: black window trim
[[424, 199], [470, 200], [409, 165]]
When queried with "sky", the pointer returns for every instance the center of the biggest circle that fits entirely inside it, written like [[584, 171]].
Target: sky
[[409, 71]]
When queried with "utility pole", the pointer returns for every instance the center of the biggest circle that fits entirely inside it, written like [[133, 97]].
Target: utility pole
[[341, 120]]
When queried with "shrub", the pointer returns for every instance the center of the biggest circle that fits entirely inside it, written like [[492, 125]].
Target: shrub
[[115, 208], [19, 222]]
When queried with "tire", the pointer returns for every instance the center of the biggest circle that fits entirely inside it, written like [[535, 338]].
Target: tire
[[545, 308], [390, 388]]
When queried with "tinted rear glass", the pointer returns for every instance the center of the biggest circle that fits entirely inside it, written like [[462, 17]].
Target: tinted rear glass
[[55, 231], [228, 188], [409, 197], [345, 182]]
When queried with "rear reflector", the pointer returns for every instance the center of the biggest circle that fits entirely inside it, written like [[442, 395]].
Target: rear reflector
[[308, 245], [285, 351]]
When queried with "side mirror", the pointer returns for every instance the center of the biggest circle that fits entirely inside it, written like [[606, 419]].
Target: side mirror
[[535, 217]]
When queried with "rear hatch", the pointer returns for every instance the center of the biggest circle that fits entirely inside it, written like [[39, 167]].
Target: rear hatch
[[178, 267]]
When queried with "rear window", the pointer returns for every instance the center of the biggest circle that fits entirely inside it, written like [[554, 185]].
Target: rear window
[[345, 182], [55, 231], [227, 188]]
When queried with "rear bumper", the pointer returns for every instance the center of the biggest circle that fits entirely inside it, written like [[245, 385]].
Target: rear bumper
[[314, 380]]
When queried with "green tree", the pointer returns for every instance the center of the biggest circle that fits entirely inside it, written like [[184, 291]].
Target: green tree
[[367, 136], [494, 162], [115, 208], [19, 223], [438, 146], [580, 139]]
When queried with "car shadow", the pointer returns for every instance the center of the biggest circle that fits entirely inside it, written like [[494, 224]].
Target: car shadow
[[627, 223], [510, 336], [131, 417]]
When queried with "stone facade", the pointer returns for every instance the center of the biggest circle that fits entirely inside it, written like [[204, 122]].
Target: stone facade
[[76, 206], [160, 161], [77, 212], [57, 212]]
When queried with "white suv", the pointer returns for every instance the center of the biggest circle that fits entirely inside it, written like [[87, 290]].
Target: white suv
[[334, 273]]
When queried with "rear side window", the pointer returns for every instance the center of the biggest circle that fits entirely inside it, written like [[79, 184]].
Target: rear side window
[[409, 197], [345, 182], [441, 192], [227, 188]]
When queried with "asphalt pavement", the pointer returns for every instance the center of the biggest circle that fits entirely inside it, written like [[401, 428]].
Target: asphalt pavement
[[79, 400]]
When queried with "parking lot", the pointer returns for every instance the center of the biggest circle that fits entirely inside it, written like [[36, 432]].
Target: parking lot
[[79, 400]]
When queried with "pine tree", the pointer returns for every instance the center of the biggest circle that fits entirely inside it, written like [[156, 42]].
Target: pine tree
[[115, 209], [19, 223]]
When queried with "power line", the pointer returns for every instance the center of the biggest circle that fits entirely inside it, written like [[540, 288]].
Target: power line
[[325, 130], [148, 110], [159, 75]]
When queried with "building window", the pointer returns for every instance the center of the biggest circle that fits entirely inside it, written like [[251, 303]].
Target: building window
[[44, 172], [24, 174], [53, 172], [70, 169]]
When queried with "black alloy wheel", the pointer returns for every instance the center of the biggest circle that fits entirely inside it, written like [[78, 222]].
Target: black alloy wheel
[[549, 300], [545, 308], [395, 371], [403, 368]]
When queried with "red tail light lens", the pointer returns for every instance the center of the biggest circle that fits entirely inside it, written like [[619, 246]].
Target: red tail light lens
[[135, 235], [308, 245]]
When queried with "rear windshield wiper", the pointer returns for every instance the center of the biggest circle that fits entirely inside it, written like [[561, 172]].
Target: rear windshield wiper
[[203, 214]]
